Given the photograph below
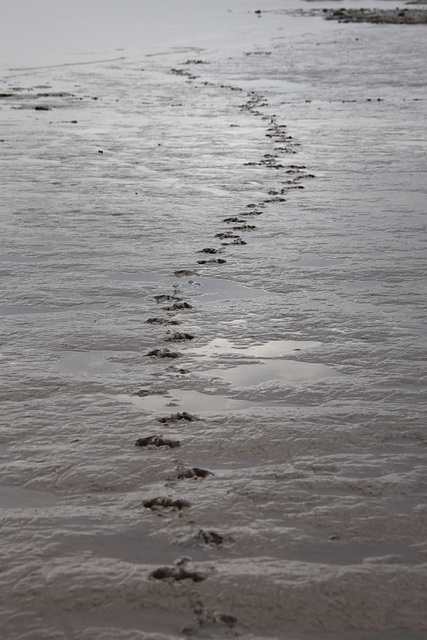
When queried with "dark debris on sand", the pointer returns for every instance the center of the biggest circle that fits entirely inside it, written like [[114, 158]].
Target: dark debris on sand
[[377, 16]]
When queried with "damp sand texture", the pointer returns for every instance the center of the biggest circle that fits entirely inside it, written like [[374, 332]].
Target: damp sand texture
[[213, 343]]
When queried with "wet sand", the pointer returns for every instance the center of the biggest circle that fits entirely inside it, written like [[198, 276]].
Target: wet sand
[[212, 264]]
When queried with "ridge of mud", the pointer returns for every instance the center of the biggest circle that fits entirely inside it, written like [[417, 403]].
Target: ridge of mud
[[377, 16]]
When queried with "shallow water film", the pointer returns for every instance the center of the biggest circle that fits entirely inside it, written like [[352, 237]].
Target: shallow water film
[[212, 305]]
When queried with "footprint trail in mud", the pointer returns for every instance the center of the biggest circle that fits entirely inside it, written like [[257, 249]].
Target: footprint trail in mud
[[287, 176]]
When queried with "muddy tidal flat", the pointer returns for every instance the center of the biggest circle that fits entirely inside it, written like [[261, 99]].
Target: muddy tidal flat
[[213, 285]]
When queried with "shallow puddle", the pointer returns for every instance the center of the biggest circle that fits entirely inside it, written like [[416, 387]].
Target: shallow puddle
[[250, 375], [18, 497], [19, 310], [145, 618], [211, 289], [130, 545], [271, 349], [192, 401], [274, 366], [83, 363], [371, 635], [215, 289]]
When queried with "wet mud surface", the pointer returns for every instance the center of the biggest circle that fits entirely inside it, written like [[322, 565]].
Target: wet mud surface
[[213, 337], [378, 16]]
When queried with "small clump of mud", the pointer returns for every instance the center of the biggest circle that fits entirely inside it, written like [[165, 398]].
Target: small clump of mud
[[164, 353], [177, 574], [193, 472], [210, 537], [161, 321], [179, 336], [176, 417], [213, 261], [157, 441], [162, 502]]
